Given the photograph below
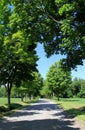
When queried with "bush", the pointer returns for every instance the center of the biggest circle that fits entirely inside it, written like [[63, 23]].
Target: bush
[[81, 94]]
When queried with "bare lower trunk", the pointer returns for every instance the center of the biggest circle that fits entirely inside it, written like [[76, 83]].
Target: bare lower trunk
[[9, 94], [58, 98], [22, 97]]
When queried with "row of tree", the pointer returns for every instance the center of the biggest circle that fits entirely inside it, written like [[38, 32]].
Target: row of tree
[[27, 89], [58, 24], [58, 83]]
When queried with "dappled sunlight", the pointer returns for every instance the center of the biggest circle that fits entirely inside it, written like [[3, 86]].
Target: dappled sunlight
[[43, 115]]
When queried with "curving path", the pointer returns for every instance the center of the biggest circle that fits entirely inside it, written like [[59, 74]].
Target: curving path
[[44, 115]]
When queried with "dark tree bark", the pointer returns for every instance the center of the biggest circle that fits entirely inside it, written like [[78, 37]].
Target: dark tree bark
[[9, 94]]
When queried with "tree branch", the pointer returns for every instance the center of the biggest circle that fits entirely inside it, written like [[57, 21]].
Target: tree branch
[[50, 16]]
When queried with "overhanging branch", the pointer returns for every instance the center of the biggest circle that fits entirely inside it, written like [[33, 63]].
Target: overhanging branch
[[50, 16]]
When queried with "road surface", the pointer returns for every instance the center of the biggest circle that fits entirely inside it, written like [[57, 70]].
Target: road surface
[[43, 115]]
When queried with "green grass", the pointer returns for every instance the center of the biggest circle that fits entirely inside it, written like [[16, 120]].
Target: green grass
[[74, 106], [3, 101], [15, 105]]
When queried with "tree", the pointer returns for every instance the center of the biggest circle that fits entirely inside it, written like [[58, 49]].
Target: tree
[[17, 64], [30, 88], [58, 80], [59, 24], [37, 84], [4, 94], [17, 56], [45, 91], [78, 87], [82, 90]]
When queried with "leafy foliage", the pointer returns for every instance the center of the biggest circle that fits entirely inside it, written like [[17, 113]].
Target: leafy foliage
[[78, 87], [37, 84], [58, 80], [45, 91], [4, 94], [59, 24], [17, 56], [29, 89]]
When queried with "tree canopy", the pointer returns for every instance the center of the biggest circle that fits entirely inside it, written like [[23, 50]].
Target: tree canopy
[[17, 51], [59, 24], [78, 87], [57, 79]]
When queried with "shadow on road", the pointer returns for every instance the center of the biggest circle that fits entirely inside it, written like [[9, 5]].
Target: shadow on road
[[31, 123], [48, 124]]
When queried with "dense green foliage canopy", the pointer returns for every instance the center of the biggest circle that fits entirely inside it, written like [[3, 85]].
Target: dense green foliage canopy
[[17, 50], [78, 88], [17, 56], [58, 80], [59, 24]]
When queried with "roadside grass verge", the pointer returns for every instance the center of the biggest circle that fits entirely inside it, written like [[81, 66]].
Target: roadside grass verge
[[74, 106], [16, 104]]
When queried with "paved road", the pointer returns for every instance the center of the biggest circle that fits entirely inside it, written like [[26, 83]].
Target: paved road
[[44, 115]]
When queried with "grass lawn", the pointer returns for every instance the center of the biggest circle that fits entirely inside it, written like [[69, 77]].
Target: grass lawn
[[74, 106], [15, 105], [3, 101]]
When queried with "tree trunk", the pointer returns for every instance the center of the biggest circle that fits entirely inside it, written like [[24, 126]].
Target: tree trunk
[[58, 96], [9, 94], [58, 99], [22, 97]]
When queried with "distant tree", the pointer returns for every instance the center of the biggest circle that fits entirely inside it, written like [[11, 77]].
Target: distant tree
[[37, 84], [30, 88], [82, 91], [58, 80], [78, 87], [45, 91], [3, 92], [14, 92]]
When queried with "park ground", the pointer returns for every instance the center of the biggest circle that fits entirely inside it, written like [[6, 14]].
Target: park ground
[[43, 115]]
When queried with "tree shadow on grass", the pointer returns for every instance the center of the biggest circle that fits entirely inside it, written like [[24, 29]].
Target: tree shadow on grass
[[76, 111], [4, 110], [15, 106], [71, 113], [12, 106]]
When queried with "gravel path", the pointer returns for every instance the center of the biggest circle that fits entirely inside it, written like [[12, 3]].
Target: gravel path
[[44, 115]]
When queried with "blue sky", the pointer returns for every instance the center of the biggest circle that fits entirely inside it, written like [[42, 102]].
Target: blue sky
[[44, 63]]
